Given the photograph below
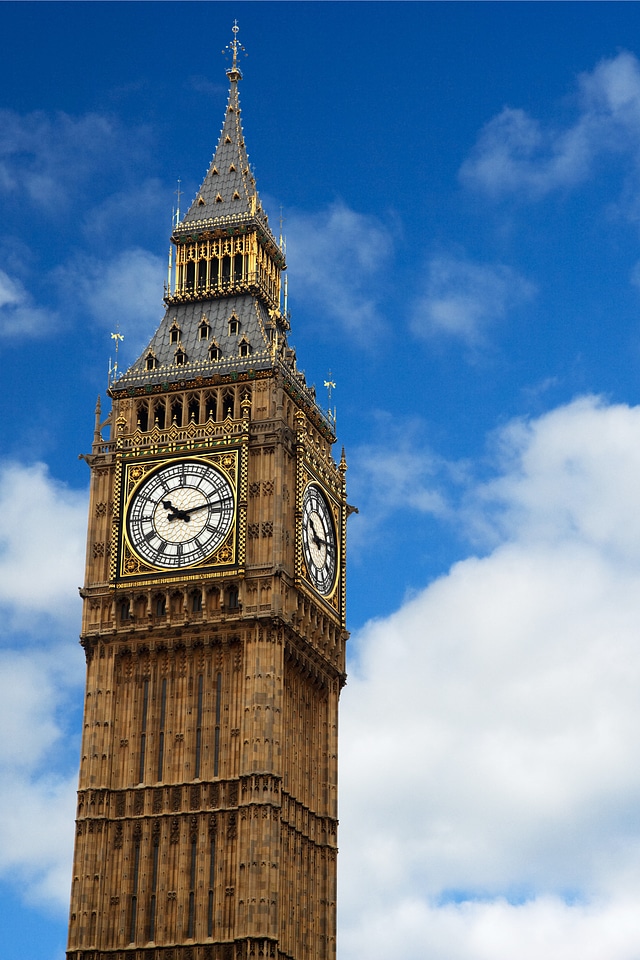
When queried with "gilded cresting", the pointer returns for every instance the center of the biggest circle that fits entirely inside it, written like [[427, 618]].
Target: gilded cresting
[[213, 617]]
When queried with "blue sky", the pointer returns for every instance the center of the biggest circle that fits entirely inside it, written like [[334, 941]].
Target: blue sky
[[460, 188]]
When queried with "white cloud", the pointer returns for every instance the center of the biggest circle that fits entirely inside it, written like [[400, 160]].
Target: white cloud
[[399, 471], [489, 783], [463, 298], [42, 541], [19, 316], [517, 154], [42, 545], [49, 159], [36, 803], [337, 257], [124, 292]]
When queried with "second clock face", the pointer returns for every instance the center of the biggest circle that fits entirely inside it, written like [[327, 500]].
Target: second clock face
[[180, 514], [318, 540]]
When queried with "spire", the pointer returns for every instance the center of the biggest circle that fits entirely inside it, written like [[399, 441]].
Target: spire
[[229, 189]]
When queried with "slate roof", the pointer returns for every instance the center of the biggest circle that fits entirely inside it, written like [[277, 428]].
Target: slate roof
[[253, 327], [229, 188], [256, 322]]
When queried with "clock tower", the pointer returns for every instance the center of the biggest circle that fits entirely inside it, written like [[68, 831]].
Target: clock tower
[[213, 617]]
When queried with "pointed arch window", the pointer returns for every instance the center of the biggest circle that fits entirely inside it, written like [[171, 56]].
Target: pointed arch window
[[174, 332]]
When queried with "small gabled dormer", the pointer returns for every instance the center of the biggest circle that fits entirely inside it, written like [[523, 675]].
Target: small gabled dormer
[[215, 353], [151, 361], [234, 326], [180, 357], [204, 330], [244, 347], [174, 332]]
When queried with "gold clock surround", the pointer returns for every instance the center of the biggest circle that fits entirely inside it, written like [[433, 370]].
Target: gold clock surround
[[135, 473]]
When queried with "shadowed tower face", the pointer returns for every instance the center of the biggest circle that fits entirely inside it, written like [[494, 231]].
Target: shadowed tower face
[[213, 617]]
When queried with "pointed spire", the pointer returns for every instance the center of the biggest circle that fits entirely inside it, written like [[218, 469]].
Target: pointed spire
[[229, 189]]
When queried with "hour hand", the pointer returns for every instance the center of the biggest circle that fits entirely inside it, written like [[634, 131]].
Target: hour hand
[[176, 513], [316, 538]]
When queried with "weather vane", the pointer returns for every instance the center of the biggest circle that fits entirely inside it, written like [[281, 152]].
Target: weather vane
[[234, 48], [113, 371], [330, 385]]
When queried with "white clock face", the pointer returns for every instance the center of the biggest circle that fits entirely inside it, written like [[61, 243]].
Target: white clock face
[[180, 514], [318, 540]]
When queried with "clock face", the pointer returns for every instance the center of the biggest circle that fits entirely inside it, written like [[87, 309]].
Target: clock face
[[180, 514], [318, 540]]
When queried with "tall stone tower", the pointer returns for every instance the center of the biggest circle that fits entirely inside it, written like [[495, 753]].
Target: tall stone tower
[[214, 617]]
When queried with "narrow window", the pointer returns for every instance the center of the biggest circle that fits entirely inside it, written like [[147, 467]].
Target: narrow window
[[160, 415], [196, 601], [134, 895], [216, 748], [161, 606], [191, 275], [226, 269], [154, 887], [237, 267], [212, 863], [125, 610], [228, 404], [143, 730], [204, 330], [152, 363], [234, 327], [181, 357], [194, 410], [174, 333], [176, 409], [213, 271], [198, 729], [232, 598], [202, 274], [143, 417], [245, 348], [214, 352], [192, 891], [211, 402], [163, 711]]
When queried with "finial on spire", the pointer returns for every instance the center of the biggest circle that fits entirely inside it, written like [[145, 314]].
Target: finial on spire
[[234, 48], [330, 385]]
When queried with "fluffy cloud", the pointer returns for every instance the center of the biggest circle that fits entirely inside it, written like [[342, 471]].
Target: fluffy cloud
[[489, 736], [42, 543], [124, 292], [517, 154], [19, 316], [463, 298], [334, 256], [36, 802], [50, 159], [42, 537]]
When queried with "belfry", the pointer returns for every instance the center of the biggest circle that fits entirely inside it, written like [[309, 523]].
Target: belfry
[[213, 616]]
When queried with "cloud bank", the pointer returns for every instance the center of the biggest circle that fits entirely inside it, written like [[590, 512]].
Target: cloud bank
[[516, 154], [490, 788]]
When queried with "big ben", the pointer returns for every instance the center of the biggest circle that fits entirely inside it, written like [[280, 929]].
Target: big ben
[[213, 616]]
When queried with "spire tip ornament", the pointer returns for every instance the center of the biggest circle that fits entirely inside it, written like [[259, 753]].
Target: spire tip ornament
[[234, 48]]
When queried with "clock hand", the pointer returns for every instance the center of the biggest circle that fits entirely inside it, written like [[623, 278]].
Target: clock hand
[[316, 539], [177, 514]]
